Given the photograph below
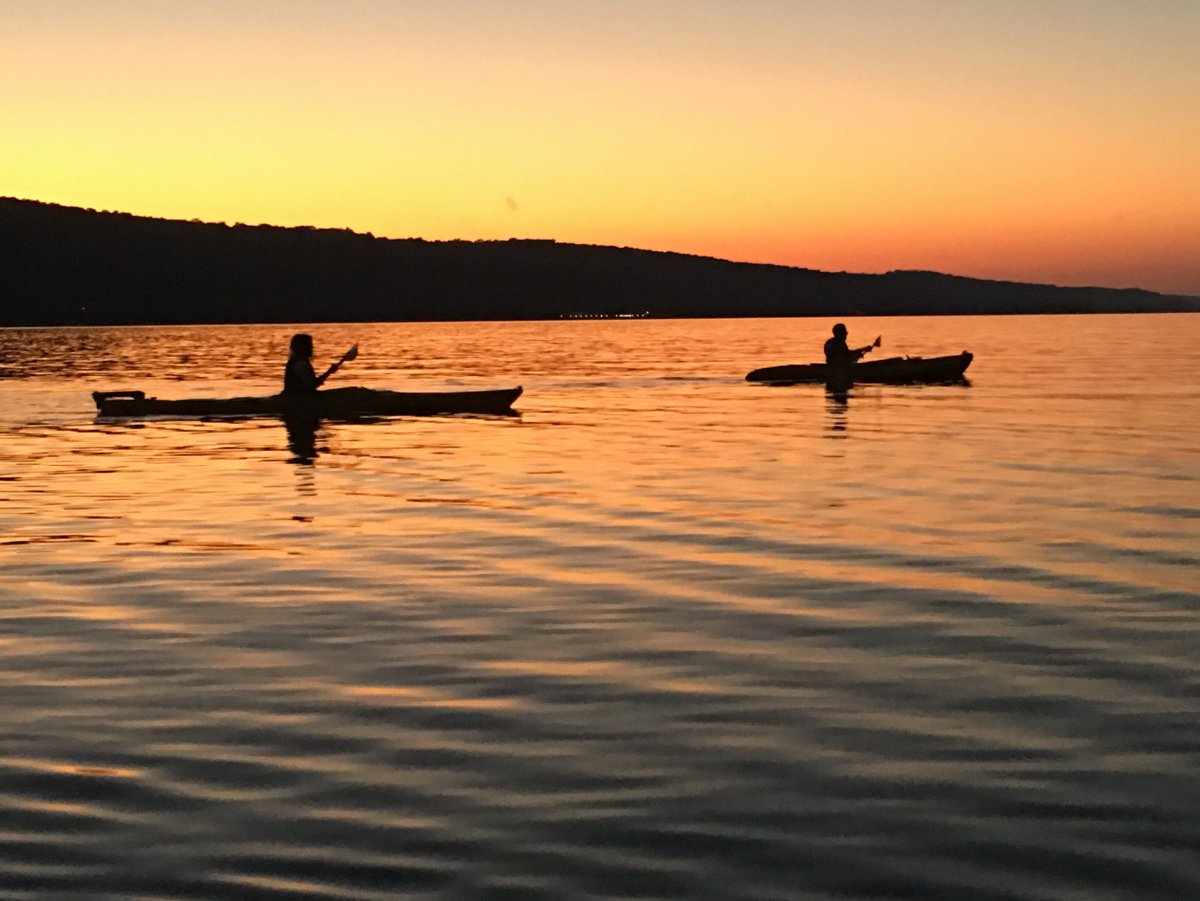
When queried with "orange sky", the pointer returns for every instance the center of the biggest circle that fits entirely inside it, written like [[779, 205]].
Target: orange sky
[[1044, 141]]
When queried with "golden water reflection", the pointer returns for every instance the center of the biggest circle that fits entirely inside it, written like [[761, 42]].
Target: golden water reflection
[[302, 438], [659, 632]]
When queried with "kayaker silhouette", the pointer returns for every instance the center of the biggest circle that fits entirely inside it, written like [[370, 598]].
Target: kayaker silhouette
[[299, 377], [838, 352]]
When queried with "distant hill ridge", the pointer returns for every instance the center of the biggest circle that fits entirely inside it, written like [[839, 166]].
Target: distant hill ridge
[[70, 266]]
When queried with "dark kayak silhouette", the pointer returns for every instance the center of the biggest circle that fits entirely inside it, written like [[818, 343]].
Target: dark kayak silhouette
[[335, 402], [893, 370]]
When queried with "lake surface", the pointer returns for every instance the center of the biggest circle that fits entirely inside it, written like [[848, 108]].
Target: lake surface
[[665, 634]]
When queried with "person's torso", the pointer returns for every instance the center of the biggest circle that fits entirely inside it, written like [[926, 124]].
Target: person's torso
[[836, 350], [299, 377]]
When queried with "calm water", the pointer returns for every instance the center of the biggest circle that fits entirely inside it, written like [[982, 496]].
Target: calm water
[[665, 634]]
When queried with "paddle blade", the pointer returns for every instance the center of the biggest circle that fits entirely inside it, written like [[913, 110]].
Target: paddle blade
[[878, 341], [351, 354]]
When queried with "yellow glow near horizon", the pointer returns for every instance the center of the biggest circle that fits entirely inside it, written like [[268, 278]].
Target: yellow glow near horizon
[[1050, 143]]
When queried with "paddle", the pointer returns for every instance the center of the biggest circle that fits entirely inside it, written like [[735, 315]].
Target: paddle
[[863, 351], [349, 355]]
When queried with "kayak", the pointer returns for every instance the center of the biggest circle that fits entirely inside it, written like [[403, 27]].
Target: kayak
[[893, 370], [332, 403]]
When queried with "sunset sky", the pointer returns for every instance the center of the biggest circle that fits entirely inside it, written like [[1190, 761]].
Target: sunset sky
[[1037, 140]]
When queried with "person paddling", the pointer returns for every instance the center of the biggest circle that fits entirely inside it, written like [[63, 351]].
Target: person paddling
[[838, 352], [299, 377]]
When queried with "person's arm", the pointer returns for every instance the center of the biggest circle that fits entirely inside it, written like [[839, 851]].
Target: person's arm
[[327, 373], [862, 351]]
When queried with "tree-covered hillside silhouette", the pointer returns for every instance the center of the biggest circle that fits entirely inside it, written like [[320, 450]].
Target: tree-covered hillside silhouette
[[65, 265]]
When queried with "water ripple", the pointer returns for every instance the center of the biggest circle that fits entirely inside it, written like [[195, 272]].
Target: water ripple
[[664, 635]]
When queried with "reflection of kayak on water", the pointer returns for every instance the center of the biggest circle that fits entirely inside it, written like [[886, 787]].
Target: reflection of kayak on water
[[333, 403], [893, 370]]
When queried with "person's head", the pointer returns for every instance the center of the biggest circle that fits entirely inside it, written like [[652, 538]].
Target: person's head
[[839, 330], [302, 346]]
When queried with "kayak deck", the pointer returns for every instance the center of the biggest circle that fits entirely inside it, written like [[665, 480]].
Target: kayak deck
[[332, 403], [893, 370]]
